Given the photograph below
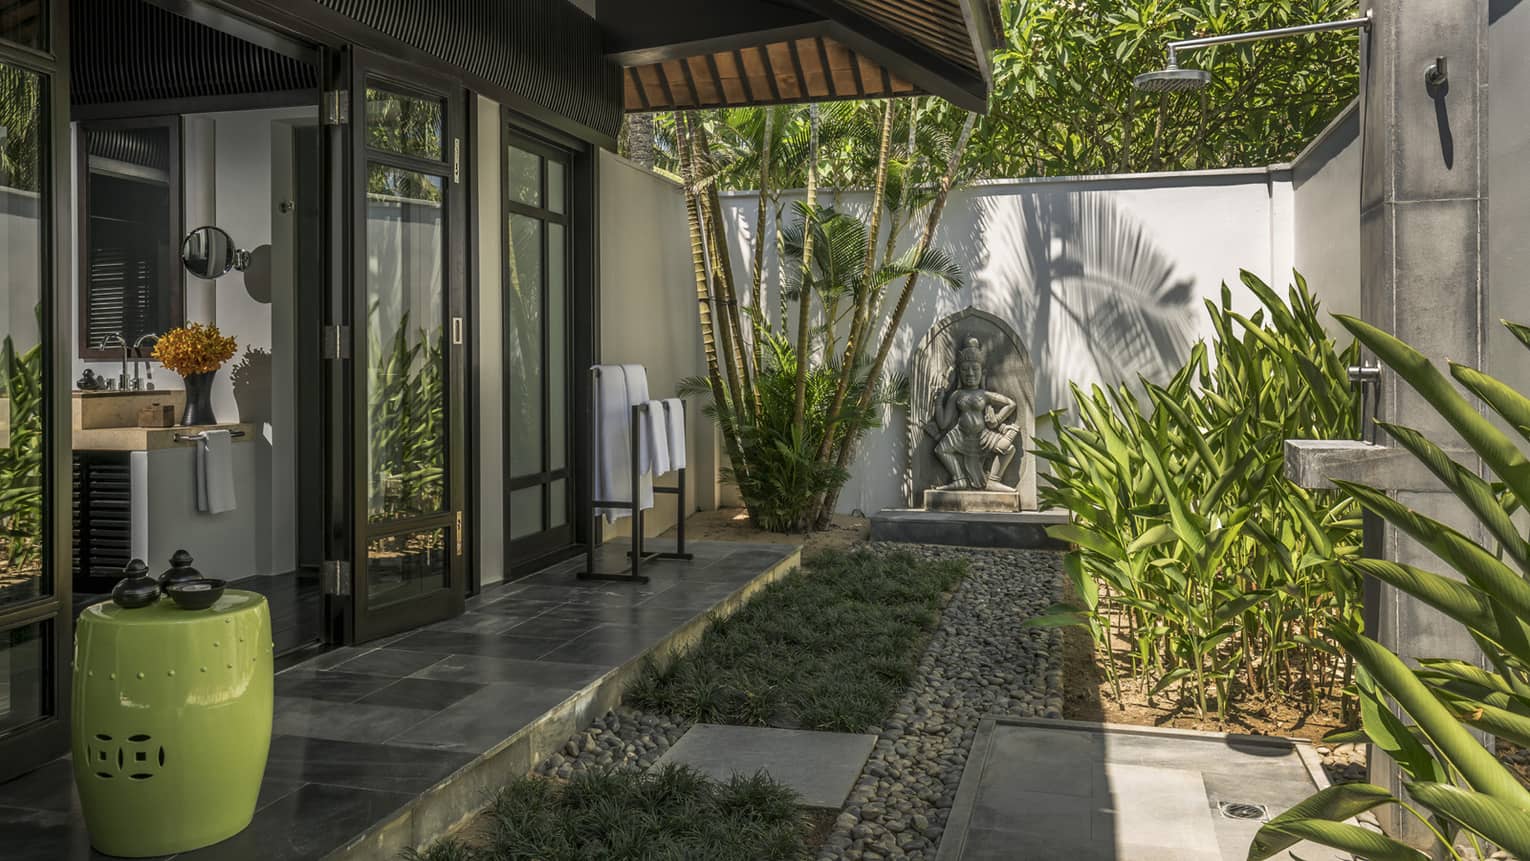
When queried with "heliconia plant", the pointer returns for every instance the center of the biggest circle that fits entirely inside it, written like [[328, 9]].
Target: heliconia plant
[[1201, 572], [1452, 782]]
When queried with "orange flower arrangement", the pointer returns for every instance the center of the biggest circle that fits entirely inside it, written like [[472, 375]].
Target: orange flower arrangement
[[195, 348]]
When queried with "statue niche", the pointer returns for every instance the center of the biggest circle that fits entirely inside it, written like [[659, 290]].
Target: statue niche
[[974, 439], [971, 419]]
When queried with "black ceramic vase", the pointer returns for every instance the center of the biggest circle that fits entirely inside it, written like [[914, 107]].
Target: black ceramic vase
[[199, 409], [180, 571], [137, 589]]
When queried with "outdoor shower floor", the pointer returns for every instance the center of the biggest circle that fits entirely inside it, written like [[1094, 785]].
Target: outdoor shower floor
[[1050, 790]]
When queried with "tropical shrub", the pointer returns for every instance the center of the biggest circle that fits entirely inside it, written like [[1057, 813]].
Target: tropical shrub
[[1455, 785], [789, 459], [1198, 566], [21, 462]]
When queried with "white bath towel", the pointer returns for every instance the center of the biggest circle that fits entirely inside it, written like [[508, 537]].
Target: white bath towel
[[616, 391], [656, 438], [674, 428], [215, 472]]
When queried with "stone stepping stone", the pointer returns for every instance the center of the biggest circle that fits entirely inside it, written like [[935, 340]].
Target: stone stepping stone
[[820, 766]]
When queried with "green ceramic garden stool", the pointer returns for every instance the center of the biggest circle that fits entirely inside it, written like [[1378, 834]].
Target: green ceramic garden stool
[[171, 722]]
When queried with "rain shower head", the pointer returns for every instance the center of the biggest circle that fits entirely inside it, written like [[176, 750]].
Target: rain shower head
[[1172, 80]]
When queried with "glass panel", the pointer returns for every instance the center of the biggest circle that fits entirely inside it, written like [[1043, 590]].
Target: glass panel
[[525, 174], [557, 350], [557, 507], [25, 22], [407, 353], [401, 567], [555, 185], [405, 124], [525, 511], [131, 276], [23, 667], [22, 137], [523, 343]]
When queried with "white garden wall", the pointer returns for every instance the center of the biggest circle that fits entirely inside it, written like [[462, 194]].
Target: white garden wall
[[1104, 278]]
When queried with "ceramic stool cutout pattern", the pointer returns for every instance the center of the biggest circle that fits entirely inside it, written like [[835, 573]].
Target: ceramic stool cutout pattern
[[171, 722]]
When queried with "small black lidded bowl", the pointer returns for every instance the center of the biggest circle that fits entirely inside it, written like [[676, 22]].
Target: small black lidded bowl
[[197, 594]]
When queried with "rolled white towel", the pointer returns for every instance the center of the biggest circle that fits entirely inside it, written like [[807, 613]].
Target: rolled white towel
[[674, 425], [656, 437]]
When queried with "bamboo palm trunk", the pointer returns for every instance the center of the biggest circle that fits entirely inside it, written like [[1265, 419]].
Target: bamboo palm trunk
[[862, 296], [847, 444], [721, 289], [722, 272], [704, 297], [805, 295], [757, 288]]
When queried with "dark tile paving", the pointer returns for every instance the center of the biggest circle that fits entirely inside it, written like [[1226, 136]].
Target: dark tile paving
[[360, 731]]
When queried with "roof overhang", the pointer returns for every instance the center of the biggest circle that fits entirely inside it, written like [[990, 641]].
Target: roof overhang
[[680, 54]]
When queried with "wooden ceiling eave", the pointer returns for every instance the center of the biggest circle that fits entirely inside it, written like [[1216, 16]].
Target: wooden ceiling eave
[[792, 70]]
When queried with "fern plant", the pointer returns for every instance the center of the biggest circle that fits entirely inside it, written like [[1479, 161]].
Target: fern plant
[[1454, 784]]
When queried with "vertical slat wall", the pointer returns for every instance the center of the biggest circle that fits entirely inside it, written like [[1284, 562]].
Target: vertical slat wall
[[545, 51]]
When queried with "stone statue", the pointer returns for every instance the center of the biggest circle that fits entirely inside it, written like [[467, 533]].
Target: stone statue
[[972, 428]]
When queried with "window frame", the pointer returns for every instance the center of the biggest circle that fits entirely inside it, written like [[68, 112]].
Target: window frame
[[176, 227]]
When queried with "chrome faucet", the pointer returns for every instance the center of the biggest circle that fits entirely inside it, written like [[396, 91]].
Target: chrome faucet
[[122, 381], [148, 383]]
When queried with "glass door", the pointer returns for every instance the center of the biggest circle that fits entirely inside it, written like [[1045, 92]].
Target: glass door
[[408, 353], [34, 600], [537, 352]]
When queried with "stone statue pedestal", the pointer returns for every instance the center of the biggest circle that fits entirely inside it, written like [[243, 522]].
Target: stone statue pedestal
[[972, 500]]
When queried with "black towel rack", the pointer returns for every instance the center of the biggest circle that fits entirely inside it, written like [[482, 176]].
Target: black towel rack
[[631, 574]]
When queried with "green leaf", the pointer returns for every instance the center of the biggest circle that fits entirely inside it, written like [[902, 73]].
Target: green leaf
[[1363, 842], [1479, 767], [1073, 533], [1163, 533], [1505, 824], [1332, 805]]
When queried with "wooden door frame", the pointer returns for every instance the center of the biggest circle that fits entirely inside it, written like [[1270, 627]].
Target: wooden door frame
[[29, 746]]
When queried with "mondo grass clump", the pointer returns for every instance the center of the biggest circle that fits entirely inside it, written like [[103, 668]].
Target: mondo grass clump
[[669, 812], [830, 648]]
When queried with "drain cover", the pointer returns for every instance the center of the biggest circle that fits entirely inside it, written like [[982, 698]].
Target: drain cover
[[1244, 810]]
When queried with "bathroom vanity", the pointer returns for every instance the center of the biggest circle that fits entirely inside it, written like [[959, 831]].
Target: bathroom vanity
[[135, 492]]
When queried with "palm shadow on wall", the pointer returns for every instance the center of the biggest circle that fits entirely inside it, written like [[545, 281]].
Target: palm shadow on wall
[[1098, 300]]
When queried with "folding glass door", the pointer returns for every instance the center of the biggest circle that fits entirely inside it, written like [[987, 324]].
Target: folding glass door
[[537, 349], [408, 359], [34, 599]]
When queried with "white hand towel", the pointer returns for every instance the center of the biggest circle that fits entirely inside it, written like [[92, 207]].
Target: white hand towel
[[215, 472], [637, 393], [674, 424], [656, 437], [614, 398]]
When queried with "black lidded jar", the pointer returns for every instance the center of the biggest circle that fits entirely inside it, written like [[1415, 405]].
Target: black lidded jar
[[137, 589], [180, 570]]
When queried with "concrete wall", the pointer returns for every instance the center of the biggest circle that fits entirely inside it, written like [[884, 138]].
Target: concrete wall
[[1103, 278], [1508, 152], [1325, 180], [648, 310]]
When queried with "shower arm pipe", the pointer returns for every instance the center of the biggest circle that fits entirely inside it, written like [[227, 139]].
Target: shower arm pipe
[[1362, 23]]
